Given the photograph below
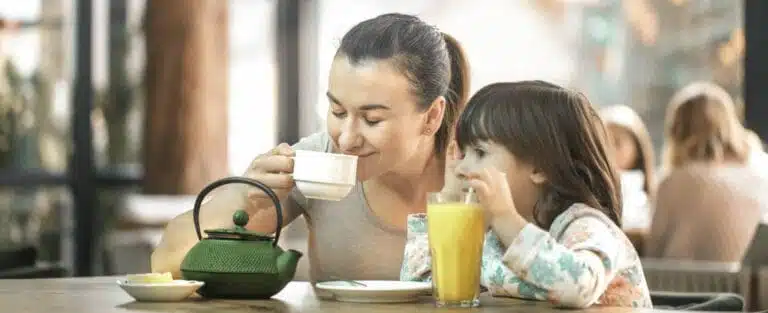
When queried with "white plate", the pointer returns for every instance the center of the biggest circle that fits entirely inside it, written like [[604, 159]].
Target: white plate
[[161, 292], [376, 291]]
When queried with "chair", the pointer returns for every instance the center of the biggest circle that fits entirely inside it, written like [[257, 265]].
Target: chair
[[21, 262], [41, 270], [684, 276], [756, 258], [761, 301], [698, 301], [757, 252], [17, 256]]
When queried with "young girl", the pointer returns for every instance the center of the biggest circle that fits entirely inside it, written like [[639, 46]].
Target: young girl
[[535, 154], [634, 158]]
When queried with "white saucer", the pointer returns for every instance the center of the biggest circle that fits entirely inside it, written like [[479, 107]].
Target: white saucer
[[376, 291], [160, 292]]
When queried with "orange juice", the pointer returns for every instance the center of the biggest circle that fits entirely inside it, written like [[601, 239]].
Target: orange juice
[[456, 232]]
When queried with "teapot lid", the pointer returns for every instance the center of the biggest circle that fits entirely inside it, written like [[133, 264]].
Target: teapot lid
[[239, 232]]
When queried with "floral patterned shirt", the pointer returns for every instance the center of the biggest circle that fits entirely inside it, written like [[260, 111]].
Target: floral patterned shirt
[[584, 260]]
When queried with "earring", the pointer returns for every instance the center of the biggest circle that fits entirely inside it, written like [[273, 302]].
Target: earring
[[427, 131]]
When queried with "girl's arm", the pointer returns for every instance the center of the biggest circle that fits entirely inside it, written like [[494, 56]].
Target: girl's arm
[[416, 261], [574, 273], [495, 276], [499, 279]]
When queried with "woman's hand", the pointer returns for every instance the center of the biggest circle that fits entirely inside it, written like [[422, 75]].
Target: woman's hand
[[275, 170], [493, 192]]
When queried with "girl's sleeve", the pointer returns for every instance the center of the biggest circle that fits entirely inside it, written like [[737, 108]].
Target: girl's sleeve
[[499, 279], [573, 274], [416, 261], [495, 276]]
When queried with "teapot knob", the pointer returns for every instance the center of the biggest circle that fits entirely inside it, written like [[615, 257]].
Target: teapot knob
[[240, 218]]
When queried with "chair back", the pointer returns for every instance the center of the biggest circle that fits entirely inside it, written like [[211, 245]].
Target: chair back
[[698, 277]]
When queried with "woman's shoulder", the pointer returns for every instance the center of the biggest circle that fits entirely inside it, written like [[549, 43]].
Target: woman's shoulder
[[710, 177], [319, 141]]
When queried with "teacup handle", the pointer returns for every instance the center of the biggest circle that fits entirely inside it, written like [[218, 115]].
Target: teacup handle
[[242, 180]]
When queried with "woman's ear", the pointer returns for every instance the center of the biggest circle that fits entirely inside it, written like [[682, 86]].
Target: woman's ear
[[538, 177], [434, 116]]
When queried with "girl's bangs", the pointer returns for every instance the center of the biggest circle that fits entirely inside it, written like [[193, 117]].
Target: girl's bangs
[[476, 124]]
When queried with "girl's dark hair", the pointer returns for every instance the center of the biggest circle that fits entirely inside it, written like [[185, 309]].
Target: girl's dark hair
[[558, 132], [433, 62]]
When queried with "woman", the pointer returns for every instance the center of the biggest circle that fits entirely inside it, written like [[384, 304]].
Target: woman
[[396, 86], [708, 204], [633, 155]]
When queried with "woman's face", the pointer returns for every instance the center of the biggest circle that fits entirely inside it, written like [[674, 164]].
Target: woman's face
[[519, 174], [373, 114], [624, 148]]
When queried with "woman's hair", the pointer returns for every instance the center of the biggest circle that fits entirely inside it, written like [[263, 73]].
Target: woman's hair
[[555, 130], [626, 118], [432, 61], [702, 126]]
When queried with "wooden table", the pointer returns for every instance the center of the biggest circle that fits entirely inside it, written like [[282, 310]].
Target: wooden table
[[102, 295]]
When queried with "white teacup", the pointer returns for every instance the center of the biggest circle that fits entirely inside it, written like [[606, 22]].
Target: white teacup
[[325, 176]]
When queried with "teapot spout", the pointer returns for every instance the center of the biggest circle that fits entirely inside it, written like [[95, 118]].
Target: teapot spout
[[287, 263]]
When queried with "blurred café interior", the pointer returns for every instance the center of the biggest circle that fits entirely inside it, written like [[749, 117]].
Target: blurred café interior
[[115, 113]]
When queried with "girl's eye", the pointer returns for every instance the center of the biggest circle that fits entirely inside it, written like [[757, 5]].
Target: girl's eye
[[339, 114], [479, 152], [371, 123]]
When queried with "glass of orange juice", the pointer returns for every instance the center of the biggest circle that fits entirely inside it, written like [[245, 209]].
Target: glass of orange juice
[[456, 230]]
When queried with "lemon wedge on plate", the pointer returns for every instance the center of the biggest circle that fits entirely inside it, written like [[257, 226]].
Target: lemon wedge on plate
[[158, 287], [150, 278]]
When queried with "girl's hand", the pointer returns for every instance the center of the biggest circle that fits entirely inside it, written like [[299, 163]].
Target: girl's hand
[[493, 192]]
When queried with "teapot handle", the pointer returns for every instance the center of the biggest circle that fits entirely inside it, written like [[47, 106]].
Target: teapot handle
[[242, 180]]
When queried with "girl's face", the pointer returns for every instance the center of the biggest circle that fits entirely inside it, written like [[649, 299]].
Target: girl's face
[[624, 147], [519, 173]]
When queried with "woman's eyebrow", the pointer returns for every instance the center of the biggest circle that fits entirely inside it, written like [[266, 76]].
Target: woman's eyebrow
[[367, 107], [332, 98]]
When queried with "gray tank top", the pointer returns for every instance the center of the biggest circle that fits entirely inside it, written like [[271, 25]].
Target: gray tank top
[[346, 240]]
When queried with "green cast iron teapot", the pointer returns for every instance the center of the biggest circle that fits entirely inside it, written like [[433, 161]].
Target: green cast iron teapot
[[236, 263]]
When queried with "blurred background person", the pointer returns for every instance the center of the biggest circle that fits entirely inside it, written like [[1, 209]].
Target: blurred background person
[[634, 155], [709, 201]]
